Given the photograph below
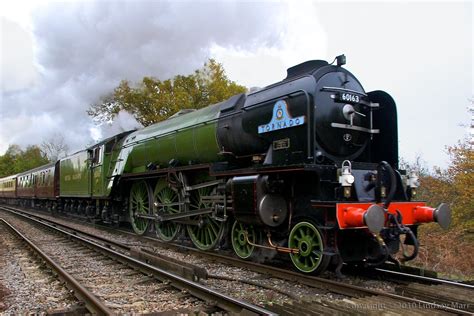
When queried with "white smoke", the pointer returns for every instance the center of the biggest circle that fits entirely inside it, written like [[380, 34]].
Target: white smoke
[[122, 122], [83, 50]]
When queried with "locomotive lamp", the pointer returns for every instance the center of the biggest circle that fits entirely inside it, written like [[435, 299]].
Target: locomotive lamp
[[413, 182], [346, 179]]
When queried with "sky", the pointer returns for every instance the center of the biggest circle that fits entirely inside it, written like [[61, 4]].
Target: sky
[[59, 57]]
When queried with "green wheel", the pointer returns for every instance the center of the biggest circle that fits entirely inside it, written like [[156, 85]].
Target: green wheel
[[308, 240], [167, 200], [139, 204], [207, 234], [239, 241]]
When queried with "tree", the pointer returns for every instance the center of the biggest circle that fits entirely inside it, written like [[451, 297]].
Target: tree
[[16, 160], [460, 175], [7, 161], [31, 158], [454, 185], [419, 165], [55, 147], [154, 100]]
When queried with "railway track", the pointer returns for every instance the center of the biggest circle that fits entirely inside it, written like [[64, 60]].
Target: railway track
[[405, 275], [421, 298], [109, 282], [93, 304], [25, 285], [439, 295]]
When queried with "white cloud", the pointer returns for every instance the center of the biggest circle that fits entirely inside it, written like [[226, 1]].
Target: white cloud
[[83, 49], [302, 38], [17, 68]]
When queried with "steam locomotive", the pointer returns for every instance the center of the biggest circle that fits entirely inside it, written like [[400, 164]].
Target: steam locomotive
[[305, 167]]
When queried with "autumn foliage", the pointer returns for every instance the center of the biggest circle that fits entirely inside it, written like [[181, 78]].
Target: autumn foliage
[[454, 185], [153, 100], [450, 252]]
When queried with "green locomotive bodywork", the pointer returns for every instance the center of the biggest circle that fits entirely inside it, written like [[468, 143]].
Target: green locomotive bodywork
[[75, 178], [85, 173], [189, 138]]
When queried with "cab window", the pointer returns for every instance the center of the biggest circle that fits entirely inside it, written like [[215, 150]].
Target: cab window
[[96, 158]]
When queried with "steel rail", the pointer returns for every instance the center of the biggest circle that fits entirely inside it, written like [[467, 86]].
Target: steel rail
[[93, 303], [106, 241], [312, 281], [425, 278], [325, 284], [222, 301], [308, 280], [182, 268]]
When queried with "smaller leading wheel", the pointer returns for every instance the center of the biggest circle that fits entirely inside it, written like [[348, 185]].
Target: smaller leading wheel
[[139, 204], [308, 240], [239, 234]]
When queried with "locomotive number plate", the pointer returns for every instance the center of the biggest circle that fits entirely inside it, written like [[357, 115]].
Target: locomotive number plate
[[349, 97], [281, 144]]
